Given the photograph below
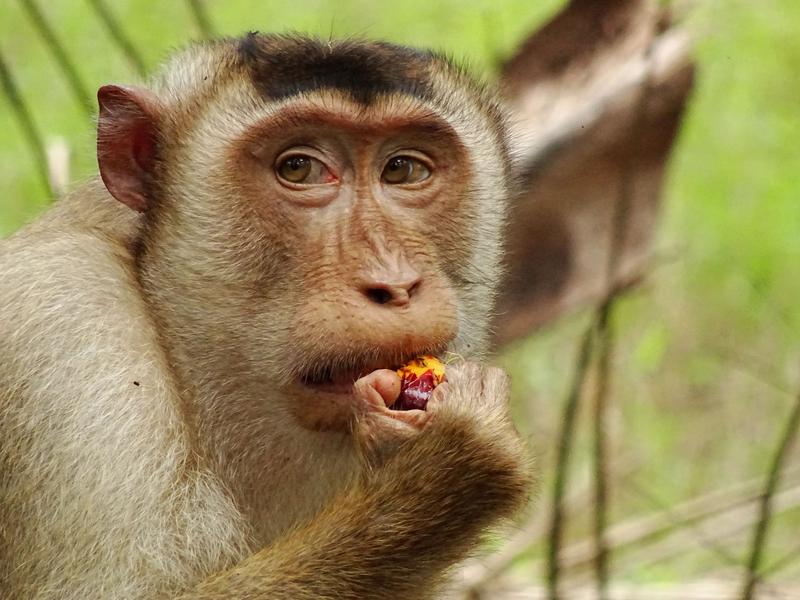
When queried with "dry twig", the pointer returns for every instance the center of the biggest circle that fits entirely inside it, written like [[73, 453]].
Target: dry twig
[[739, 501], [766, 502], [565, 436], [710, 531]]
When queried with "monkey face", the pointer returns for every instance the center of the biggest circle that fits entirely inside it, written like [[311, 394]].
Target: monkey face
[[310, 224], [364, 205]]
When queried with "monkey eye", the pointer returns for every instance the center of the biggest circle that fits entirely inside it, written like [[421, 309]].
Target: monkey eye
[[300, 168], [405, 169]]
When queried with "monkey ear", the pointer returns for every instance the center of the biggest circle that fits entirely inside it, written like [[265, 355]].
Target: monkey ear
[[126, 142]]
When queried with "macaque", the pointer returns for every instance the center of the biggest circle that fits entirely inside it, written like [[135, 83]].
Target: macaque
[[198, 348]]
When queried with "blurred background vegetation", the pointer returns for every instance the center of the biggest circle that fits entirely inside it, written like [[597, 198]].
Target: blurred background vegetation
[[705, 370]]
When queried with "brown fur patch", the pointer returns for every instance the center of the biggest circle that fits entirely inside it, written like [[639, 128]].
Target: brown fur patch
[[285, 66]]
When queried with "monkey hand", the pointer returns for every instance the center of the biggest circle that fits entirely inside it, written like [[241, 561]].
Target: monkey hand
[[471, 448], [378, 428], [474, 404], [468, 411], [476, 393], [439, 478]]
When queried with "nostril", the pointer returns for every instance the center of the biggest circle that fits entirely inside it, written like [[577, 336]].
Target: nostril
[[393, 293], [379, 295]]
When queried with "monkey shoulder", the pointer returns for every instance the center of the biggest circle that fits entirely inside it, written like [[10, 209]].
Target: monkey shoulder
[[75, 338], [78, 355], [91, 426], [73, 260]]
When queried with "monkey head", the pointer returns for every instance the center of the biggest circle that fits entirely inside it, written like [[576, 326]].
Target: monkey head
[[310, 211]]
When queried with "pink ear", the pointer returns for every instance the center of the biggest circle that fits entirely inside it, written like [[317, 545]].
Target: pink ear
[[126, 142]]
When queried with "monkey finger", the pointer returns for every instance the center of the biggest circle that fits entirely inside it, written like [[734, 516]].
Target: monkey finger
[[380, 435], [438, 397], [464, 373], [414, 418], [379, 388]]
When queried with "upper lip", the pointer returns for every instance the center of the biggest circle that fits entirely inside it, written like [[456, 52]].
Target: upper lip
[[331, 374]]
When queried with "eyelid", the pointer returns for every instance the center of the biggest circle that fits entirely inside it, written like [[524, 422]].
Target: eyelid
[[417, 160], [411, 153], [308, 152]]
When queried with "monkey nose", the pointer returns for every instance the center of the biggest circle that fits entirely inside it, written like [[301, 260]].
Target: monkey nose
[[392, 293]]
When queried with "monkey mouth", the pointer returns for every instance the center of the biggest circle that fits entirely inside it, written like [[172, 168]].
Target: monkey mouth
[[324, 383], [337, 376], [332, 381], [338, 380]]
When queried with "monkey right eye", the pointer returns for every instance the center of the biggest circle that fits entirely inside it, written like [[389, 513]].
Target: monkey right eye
[[303, 169]]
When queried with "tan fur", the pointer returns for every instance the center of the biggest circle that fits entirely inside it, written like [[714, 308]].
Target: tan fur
[[151, 439]]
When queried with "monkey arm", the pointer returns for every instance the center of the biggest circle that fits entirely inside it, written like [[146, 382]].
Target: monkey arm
[[392, 534]]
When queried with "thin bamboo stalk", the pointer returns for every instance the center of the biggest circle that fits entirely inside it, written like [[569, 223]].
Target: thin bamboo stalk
[[118, 35], [200, 14], [26, 122], [59, 52], [761, 532], [565, 437]]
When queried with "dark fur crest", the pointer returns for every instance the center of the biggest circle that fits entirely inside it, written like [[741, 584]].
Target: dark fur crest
[[284, 66]]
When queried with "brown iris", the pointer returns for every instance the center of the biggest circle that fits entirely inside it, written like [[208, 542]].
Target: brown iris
[[300, 168], [405, 169]]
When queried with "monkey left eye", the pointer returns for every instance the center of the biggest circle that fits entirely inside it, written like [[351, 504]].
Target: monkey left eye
[[304, 169], [405, 169]]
